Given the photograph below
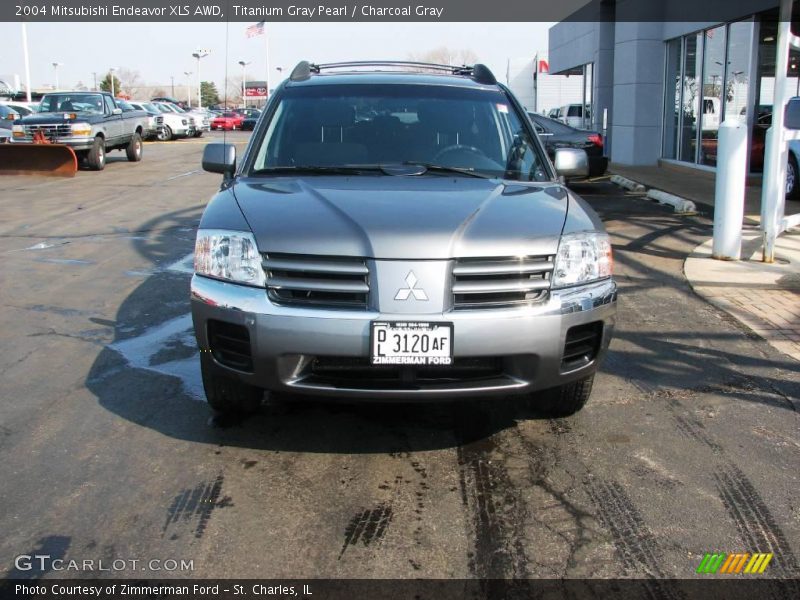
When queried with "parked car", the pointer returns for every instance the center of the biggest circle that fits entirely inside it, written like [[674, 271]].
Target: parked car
[[354, 254], [709, 148], [249, 122], [228, 121], [7, 118], [555, 134], [91, 123], [171, 100], [20, 109], [176, 125], [555, 113], [573, 115], [155, 120]]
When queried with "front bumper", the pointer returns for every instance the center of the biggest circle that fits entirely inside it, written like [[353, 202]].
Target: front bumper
[[285, 341]]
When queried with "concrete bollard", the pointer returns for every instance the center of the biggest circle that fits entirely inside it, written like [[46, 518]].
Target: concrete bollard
[[729, 192]]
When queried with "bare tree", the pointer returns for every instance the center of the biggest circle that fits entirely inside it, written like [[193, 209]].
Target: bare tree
[[446, 56], [234, 90], [130, 81]]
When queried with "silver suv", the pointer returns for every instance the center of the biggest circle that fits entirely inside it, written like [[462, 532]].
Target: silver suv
[[396, 231]]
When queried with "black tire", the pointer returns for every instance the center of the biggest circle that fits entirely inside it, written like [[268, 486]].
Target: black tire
[[565, 400], [225, 394], [96, 157], [134, 148], [792, 183], [164, 133], [198, 134], [168, 136]]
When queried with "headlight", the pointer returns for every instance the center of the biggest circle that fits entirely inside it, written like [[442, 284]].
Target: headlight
[[81, 129], [18, 131], [230, 255], [183, 121], [582, 257]]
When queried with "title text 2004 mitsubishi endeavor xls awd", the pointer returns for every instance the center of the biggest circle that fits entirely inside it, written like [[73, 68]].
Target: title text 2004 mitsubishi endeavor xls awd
[[399, 234]]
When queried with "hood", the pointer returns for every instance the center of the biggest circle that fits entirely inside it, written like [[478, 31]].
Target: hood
[[47, 118], [402, 217]]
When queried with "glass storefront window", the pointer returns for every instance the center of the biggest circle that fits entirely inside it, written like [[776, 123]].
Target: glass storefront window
[[690, 94], [713, 86], [672, 104], [737, 76]]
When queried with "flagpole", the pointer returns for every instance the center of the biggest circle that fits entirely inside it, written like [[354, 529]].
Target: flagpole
[[266, 43]]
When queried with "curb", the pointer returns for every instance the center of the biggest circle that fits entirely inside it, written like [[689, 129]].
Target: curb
[[681, 205], [628, 184]]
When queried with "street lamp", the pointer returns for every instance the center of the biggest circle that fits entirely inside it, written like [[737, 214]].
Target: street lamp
[[198, 54], [111, 73], [244, 86], [188, 89], [94, 75], [55, 68]]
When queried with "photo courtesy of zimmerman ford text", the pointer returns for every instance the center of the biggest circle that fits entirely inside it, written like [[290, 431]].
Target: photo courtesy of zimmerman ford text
[[444, 299]]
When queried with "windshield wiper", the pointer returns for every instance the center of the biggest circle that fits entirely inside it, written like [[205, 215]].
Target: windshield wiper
[[445, 169], [325, 170]]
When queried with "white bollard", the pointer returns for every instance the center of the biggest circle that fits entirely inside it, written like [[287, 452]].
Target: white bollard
[[729, 192]]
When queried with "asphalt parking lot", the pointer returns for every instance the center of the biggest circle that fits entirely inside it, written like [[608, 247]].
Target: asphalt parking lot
[[689, 444]]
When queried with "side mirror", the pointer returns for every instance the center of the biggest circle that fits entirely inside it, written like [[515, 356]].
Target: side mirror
[[571, 163], [219, 158], [116, 111], [792, 114]]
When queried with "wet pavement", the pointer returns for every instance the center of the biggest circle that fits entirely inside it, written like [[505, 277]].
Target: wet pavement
[[689, 444]]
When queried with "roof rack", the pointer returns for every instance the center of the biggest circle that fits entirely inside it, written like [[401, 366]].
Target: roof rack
[[478, 72]]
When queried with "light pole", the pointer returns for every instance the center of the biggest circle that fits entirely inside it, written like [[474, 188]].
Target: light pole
[[172, 79], [198, 54], [94, 75], [27, 61], [55, 68], [244, 86], [188, 88], [111, 73]]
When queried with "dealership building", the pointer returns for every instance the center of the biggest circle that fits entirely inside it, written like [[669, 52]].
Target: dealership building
[[661, 89]]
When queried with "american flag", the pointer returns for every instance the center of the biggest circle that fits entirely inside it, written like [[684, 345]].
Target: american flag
[[254, 30]]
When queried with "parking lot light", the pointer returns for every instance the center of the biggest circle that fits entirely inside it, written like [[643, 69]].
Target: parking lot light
[[244, 86], [198, 54], [188, 89], [111, 73], [55, 68]]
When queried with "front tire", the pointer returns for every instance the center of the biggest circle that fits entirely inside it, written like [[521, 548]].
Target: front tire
[[198, 134], [565, 400], [134, 149], [96, 158], [225, 394]]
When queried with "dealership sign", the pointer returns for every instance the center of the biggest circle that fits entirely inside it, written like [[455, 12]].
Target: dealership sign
[[256, 90]]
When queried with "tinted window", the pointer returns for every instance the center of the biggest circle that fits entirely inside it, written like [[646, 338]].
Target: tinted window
[[574, 111], [92, 103], [360, 124]]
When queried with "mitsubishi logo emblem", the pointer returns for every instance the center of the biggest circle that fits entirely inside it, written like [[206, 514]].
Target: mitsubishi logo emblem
[[404, 293]]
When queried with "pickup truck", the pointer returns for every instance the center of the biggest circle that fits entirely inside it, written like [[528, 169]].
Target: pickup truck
[[91, 123]]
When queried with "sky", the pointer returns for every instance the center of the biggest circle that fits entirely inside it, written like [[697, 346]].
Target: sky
[[159, 51]]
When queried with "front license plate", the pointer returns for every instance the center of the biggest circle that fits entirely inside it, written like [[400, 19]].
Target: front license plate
[[411, 343]]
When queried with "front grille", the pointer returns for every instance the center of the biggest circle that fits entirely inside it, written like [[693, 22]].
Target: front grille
[[317, 281], [230, 345], [500, 282], [49, 131], [359, 373], [159, 120], [581, 345]]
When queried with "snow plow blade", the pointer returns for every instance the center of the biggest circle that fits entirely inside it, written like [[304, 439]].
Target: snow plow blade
[[53, 160]]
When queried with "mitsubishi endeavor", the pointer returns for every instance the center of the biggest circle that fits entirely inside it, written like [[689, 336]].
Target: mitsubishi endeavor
[[396, 231]]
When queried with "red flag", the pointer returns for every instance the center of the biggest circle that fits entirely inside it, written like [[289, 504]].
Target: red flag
[[254, 30]]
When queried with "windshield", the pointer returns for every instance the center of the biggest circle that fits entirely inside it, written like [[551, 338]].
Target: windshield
[[88, 103], [340, 126]]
